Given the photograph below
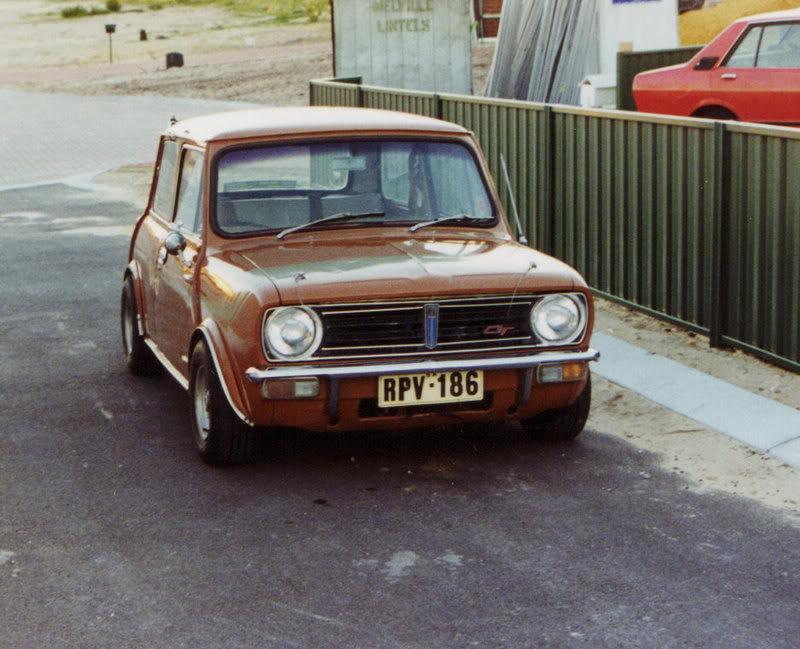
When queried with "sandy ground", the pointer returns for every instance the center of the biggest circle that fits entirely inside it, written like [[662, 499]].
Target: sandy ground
[[708, 459], [226, 56]]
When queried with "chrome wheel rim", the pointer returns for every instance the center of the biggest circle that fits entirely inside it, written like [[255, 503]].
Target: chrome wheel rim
[[202, 403], [127, 330]]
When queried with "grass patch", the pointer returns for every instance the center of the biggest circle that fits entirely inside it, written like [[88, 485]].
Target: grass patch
[[279, 10], [78, 11]]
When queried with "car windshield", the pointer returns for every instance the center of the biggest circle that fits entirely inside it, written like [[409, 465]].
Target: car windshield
[[267, 188]]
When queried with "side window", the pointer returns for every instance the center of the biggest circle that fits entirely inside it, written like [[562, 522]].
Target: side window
[[164, 199], [394, 173], [780, 46], [744, 56], [190, 191]]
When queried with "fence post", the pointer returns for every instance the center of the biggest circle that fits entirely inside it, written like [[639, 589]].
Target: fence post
[[719, 260], [548, 238], [437, 106]]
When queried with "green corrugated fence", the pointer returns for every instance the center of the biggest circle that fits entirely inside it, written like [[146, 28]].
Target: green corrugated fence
[[693, 221]]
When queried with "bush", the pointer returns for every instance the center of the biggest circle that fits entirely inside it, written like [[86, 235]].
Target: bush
[[155, 6], [98, 11], [113, 5], [314, 8], [76, 11]]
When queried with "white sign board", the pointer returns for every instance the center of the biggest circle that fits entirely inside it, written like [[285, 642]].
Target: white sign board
[[411, 44]]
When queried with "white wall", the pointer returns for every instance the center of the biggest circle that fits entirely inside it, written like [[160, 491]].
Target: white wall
[[648, 24], [411, 44]]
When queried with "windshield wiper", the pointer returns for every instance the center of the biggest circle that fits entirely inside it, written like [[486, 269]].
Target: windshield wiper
[[341, 216], [443, 219]]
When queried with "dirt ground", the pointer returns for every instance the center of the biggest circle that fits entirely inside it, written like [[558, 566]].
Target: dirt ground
[[226, 56]]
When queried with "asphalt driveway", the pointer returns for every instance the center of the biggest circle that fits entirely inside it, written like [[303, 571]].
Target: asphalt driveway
[[113, 534], [48, 137]]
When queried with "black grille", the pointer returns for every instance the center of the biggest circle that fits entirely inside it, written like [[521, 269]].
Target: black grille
[[359, 327], [399, 328], [485, 322]]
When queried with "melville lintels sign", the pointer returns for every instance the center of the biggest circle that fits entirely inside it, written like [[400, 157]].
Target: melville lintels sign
[[411, 44]]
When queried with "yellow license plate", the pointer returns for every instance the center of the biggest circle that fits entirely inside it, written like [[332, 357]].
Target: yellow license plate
[[431, 388]]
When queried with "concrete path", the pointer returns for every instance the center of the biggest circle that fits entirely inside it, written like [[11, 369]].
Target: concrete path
[[757, 421], [47, 137]]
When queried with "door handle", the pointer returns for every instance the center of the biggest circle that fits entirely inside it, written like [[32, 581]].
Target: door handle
[[728, 76]]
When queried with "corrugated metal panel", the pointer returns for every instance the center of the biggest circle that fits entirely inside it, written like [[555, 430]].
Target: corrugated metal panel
[[685, 219], [762, 237], [407, 101], [629, 204], [629, 64], [512, 129], [335, 93]]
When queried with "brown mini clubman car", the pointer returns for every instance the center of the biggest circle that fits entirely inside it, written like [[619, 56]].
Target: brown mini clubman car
[[335, 269]]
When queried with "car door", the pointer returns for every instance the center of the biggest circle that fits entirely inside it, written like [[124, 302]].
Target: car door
[[155, 227], [777, 74], [174, 298], [759, 80]]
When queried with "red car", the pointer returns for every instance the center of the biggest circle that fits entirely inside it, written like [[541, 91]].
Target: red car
[[750, 72]]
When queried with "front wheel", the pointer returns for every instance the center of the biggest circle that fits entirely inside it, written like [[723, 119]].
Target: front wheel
[[562, 424], [220, 436]]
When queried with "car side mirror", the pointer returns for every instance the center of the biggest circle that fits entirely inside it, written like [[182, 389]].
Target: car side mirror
[[174, 242], [706, 63]]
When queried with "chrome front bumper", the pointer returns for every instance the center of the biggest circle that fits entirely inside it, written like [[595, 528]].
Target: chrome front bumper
[[418, 367]]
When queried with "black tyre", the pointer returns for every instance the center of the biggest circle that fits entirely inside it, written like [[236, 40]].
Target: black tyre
[[220, 436], [562, 424], [138, 357]]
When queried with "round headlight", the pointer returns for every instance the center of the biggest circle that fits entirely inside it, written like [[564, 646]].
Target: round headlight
[[292, 332], [557, 319]]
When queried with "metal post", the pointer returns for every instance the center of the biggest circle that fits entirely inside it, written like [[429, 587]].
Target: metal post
[[718, 306], [547, 239], [110, 29]]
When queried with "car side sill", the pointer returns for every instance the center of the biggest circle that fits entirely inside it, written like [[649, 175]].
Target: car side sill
[[180, 378]]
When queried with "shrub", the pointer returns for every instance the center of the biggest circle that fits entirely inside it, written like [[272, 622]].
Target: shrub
[[155, 6], [113, 5], [313, 9], [76, 11], [98, 11]]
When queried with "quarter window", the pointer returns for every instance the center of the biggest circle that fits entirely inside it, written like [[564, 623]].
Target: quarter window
[[164, 200], [190, 191]]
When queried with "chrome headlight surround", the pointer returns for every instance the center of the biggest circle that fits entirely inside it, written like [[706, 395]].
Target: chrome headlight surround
[[291, 333], [559, 318]]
